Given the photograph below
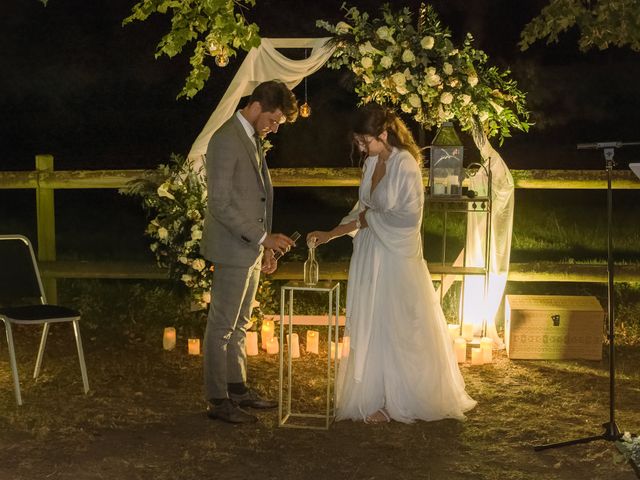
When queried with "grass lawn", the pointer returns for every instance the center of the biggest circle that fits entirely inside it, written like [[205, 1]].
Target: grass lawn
[[144, 418]]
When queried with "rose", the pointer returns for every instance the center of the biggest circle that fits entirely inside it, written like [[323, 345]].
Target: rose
[[446, 98], [186, 278], [414, 100], [206, 297], [386, 61], [196, 234], [447, 68], [408, 56], [198, 264], [183, 260], [472, 80], [366, 62], [163, 233], [433, 80], [427, 42], [406, 108], [399, 79], [465, 99]]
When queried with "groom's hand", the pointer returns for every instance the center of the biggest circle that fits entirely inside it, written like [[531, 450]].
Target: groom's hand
[[278, 242], [269, 262]]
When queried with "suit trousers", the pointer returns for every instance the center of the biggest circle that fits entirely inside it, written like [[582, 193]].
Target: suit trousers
[[225, 358]]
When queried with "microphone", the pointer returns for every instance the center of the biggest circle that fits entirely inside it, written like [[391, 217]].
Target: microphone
[[599, 145]]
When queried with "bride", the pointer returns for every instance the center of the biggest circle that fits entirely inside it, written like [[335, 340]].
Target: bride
[[401, 365]]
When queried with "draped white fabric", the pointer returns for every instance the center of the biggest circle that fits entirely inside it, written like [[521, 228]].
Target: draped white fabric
[[260, 65], [479, 308], [401, 356]]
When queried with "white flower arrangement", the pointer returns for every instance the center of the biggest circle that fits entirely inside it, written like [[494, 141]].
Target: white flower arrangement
[[418, 70], [175, 198]]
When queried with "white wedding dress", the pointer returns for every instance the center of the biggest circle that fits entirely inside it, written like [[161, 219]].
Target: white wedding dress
[[401, 358]]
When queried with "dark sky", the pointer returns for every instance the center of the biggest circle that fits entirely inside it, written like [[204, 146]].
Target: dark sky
[[78, 85]]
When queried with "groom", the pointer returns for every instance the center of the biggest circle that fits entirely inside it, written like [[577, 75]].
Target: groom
[[237, 238]]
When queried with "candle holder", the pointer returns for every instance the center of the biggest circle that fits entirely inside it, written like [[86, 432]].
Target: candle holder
[[287, 416]]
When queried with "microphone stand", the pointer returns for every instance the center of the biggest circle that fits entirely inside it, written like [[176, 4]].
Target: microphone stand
[[611, 432]]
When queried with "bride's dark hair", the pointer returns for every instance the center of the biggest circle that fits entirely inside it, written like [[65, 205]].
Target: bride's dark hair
[[373, 119]]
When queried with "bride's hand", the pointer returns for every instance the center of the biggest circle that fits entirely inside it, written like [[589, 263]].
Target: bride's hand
[[319, 236]]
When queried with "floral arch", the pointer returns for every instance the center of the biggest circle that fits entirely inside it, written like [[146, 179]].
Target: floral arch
[[418, 70]]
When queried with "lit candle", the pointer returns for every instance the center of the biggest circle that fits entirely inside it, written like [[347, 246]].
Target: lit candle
[[333, 350], [194, 346], [169, 338], [454, 331], [312, 341], [486, 345], [460, 348], [267, 332], [294, 345], [467, 332], [273, 346], [476, 356], [346, 347], [252, 343]]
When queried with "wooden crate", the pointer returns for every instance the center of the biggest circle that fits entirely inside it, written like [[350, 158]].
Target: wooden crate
[[553, 327]]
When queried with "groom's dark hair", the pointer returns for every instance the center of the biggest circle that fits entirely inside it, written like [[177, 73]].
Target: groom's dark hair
[[274, 95]]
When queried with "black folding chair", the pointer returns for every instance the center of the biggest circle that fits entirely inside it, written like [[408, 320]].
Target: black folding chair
[[23, 302]]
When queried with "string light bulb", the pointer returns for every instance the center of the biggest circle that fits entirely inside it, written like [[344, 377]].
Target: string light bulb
[[305, 108], [222, 60]]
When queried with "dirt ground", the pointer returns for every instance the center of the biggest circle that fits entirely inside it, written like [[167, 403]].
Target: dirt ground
[[144, 419]]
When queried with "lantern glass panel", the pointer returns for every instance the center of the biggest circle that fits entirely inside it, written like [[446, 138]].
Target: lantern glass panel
[[445, 171]]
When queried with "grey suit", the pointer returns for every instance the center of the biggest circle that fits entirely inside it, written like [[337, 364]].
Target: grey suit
[[239, 213]]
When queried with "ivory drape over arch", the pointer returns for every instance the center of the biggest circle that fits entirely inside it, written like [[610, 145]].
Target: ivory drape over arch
[[260, 65], [266, 63]]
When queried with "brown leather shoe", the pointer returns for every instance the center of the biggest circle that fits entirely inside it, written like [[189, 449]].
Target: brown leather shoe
[[229, 412], [251, 399]]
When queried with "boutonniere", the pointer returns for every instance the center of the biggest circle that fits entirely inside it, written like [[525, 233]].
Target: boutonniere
[[266, 145]]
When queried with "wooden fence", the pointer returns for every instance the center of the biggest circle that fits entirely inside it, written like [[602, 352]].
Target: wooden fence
[[45, 180]]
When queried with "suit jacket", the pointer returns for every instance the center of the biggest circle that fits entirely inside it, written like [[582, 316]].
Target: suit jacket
[[240, 198]]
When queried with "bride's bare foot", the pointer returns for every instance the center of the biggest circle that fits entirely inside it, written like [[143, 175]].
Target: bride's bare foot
[[381, 416]]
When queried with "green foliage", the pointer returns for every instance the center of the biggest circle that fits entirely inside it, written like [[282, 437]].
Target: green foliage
[[421, 71], [176, 203], [602, 23], [218, 28]]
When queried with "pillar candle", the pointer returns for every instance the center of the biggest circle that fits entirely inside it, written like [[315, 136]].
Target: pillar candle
[[194, 346], [486, 345], [476, 356], [169, 338], [454, 331], [460, 348], [312, 341], [467, 331], [267, 332], [294, 345], [346, 347], [273, 346], [333, 350], [252, 343]]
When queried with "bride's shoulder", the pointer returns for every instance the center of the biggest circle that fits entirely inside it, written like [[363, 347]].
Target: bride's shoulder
[[405, 161]]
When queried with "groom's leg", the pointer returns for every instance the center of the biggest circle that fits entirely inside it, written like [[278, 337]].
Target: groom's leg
[[236, 350], [227, 294]]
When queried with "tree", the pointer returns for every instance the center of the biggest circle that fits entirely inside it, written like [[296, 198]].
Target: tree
[[602, 23], [218, 28]]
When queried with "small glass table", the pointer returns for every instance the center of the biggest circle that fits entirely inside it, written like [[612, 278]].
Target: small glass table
[[287, 418]]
